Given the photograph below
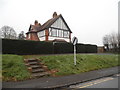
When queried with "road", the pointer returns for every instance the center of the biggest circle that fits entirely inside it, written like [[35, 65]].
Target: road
[[106, 82]]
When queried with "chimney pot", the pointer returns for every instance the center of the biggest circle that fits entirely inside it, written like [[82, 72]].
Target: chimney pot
[[54, 14], [36, 22]]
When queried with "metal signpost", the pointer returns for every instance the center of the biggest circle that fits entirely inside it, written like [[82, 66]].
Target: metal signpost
[[74, 41]]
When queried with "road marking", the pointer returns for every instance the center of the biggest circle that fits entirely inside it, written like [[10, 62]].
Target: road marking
[[86, 86], [95, 82]]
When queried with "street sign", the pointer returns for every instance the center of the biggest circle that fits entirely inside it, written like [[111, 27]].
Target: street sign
[[74, 41]]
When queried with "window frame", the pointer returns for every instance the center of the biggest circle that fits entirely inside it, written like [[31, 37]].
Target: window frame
[[67, 34], [54, 32], [41, 35], [57, 32]]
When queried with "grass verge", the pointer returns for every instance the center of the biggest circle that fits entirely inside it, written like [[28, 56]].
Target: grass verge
[[13, 68], [64, 64]]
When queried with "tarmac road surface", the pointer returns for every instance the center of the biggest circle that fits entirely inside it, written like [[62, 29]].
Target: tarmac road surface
[[106, 82]]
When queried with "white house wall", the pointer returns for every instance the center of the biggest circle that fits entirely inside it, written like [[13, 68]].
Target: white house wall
[[41, 35], [53, 38], [42, 38], [59, 24]]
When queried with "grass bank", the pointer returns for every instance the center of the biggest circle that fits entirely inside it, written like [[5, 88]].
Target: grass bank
[[13, 68], [64, 64]]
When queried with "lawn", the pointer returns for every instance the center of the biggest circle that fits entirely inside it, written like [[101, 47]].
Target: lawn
[[13, 66], [64, 64]]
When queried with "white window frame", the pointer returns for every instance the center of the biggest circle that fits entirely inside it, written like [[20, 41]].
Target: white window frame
[[66, 34], [54, 32], [60, 33]]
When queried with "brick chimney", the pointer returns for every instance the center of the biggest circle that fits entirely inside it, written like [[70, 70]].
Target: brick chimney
[[54, 14], [36, 22]]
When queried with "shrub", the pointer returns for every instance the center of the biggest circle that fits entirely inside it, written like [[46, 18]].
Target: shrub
[[61, 48], [25, 47]]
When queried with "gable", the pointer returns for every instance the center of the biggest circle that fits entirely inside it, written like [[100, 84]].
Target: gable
[[57, 22], [60, 24]]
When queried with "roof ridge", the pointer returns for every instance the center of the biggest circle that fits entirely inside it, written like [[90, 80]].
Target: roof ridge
[[49, 22]]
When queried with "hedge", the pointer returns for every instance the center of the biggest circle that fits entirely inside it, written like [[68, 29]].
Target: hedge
[[61, 48], [90, 48], [26, 47]]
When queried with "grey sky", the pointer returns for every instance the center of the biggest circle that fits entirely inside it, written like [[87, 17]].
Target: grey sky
[[89, 20]]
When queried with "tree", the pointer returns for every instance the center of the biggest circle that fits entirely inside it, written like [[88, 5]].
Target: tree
[[111, 41], [21, 35], [114, 41], [106, 42], [8, 32]]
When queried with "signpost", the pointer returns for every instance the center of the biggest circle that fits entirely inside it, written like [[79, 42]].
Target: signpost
[[74, 41]]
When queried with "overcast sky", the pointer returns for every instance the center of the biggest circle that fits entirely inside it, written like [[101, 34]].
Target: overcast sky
[[89, 20]]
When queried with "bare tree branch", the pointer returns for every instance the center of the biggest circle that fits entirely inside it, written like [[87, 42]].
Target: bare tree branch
[[8, 32], [111, 41]]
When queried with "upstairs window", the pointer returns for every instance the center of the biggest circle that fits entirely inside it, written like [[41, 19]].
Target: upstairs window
[[66, 34], [54, 32], [60, 33]]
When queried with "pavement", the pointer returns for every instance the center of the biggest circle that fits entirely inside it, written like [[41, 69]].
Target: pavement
[[63, 81]]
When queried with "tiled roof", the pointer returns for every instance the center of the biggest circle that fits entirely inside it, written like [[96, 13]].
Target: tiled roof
[[49, 23], [46, 25]]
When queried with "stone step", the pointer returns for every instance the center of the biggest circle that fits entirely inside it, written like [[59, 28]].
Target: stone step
[[35, 66], [31, 60], [33, 63], [40, 74], [37, 70]]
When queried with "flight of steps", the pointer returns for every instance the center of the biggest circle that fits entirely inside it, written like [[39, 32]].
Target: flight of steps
[[36, 68]]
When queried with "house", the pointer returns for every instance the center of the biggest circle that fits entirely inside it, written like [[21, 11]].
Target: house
[[55, 29]]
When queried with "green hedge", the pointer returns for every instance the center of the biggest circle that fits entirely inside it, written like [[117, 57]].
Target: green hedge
[[90, 48], [25, 47], [60, 48], [80, 48]]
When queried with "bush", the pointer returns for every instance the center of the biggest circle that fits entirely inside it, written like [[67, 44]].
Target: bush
[[25, 47], [90, 48], [80, 48], [61, 48]]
